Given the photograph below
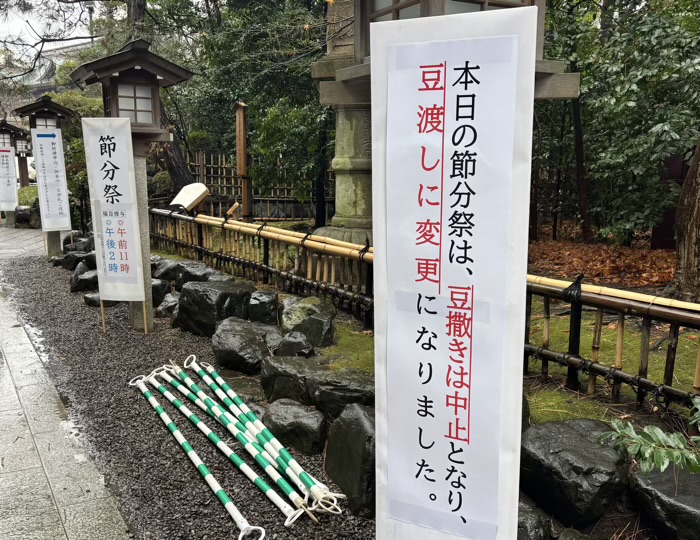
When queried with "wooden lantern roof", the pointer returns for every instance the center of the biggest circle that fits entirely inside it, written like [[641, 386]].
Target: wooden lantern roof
[[133, 55], [44, 106], [14, 131]]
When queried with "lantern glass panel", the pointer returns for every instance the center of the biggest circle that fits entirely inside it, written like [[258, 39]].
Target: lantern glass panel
[[45, 123], [5, 139], [135, 103], [21, 145]]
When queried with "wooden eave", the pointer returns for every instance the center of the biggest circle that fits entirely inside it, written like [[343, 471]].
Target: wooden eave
[[43, 105], [352, 85], [15, 131], [130, 56]]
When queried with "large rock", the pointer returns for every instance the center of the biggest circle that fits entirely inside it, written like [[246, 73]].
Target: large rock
[[168, 305], [331, 391], [308, 381], [92, 299], [22, 217], [243, 345], [35, 216], [87, 281], [350, 457], [203, 304], [532, 523], [220, 277], [568, 472], [671, 501], [75, 284], [167, 270], [72, 259], [192, 271], [572, 534], [91, 260], [83, 245], [297, 425], [263, 307], [159, 289], [312, 316], [295, 344], [72, 237]]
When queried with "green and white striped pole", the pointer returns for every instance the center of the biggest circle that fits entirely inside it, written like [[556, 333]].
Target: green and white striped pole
[[256, 451], [270, 453], [325, 500], [290, 513], [241, 522]]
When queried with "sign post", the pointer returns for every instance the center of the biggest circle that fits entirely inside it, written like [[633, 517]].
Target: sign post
[[50, 168], [113, 200], [8, 184], [452, 105]]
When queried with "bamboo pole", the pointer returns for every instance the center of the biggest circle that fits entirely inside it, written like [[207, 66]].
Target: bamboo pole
[[696, 384], [102, 314], [285, 232], [597, 331], [617, 293], [619, 346], [310, 244], [545, 336], [644, 356]]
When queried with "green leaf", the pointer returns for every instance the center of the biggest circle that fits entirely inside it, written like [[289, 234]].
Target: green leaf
[[661, 459]]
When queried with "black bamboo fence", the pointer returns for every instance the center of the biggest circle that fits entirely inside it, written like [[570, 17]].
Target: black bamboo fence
[[308, 264]]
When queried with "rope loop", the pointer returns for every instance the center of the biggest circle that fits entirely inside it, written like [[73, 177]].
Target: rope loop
[[572, 293]]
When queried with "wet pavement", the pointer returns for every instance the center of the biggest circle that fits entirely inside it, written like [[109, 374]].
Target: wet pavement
[[49, 488], [20, 242]]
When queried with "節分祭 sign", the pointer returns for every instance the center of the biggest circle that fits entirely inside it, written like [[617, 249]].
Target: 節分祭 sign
[[452, 105], [8, 179], [110, 167], [50, 168]]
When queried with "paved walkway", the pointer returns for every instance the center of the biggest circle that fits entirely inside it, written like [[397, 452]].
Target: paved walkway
[[19, 242], [49, 488]]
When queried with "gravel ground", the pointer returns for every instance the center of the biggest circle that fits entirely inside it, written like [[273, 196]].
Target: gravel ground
[[161, 495]]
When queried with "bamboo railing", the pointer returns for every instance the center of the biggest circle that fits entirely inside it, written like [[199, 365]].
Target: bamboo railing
[[311, 264], [289, 260]]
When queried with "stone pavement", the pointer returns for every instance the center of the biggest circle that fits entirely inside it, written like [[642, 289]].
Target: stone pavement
[[49, 488], [19, 242]]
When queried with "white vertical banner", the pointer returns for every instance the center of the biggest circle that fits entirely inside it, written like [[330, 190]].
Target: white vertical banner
[[8, 179], [49, 162], [110, 166], [452, 105]]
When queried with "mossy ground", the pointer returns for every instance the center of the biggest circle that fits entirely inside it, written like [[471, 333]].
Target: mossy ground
[[550, 401], [354, 347], [168, 255]]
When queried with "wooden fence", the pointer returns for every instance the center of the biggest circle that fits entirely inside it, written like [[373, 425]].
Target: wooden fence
[[307, 264], [270, 203], [292, 261]]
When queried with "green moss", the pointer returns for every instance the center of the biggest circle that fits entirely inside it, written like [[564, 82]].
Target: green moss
[[353, 348], [686, 356], [27, 195], [551, 404], [168, 255]]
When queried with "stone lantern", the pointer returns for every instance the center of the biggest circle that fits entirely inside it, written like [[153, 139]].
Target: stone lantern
[[18, 139], [131, 80]]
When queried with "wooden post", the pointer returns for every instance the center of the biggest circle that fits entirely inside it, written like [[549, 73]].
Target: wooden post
[[596, 348], [242, 162], [528, 316], [545, 337], [644, 357], [671, 354], [618, 355], [572, 381], [696, 384], [23, 171]]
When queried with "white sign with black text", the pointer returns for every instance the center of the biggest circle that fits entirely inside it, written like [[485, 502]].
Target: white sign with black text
[[8, 179], [452, 105], [110, 166], [47, 146]]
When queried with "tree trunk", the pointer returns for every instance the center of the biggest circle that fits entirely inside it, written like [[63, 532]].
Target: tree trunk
[[581, 178], [688, 234], [136, 13]]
